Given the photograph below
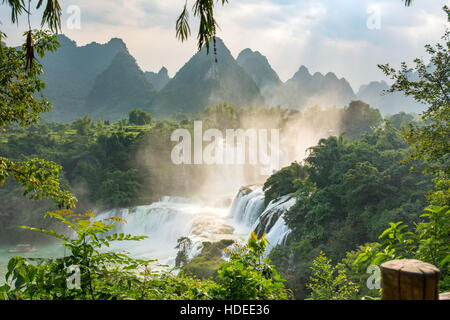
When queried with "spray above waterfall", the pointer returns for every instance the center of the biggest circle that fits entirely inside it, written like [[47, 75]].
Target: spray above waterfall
[[212, 171]]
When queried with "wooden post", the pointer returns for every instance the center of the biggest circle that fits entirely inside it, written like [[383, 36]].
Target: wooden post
[[409, 279]]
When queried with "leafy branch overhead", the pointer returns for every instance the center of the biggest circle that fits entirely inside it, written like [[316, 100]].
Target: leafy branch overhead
[[51, 17], [204, 10]]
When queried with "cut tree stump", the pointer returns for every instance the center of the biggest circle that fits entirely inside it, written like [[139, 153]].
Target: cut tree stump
[[409, 279]]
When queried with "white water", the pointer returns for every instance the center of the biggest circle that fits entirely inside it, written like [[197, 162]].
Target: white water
[[166, 221], [278, 232], [249, 212], [247, 206], [169, 219]]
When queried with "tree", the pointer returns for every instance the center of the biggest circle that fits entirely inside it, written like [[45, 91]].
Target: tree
[[119, 189], [330, 282], [20, 104], [432, 87], [360, 118], [19, 88], [283, 182], [51, 16], [426, 241], [83, 125], [139, 117], [247, 276], [401, 120]]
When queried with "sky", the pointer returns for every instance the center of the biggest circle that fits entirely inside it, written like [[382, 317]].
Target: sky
[[347, 37]]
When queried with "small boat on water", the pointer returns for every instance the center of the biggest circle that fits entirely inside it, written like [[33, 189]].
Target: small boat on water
[[22, 248]]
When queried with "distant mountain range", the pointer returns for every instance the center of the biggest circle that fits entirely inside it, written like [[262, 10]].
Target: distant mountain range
[[203, 82], [105, 82], [158, 80]]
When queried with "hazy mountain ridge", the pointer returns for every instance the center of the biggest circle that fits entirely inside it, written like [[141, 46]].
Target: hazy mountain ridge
[[70, 73], [306, 90], [388, 103], [91, 80], [158, 80], [206, 83], [119, 89], [259, 68]]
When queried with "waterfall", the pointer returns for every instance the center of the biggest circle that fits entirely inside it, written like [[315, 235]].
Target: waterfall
[[247, 206], [164, 222], [249, 214], [272, 223], [171, 218]]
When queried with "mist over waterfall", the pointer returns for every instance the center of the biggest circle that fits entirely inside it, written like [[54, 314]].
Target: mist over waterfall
[[171, 218]]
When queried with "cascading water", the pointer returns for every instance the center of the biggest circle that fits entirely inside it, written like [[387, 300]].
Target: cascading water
[[166, 221], [271, 222], [247, 206], [249, 213]]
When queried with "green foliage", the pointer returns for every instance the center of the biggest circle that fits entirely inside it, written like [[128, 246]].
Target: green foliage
[[330, 282], [39, 178], [102, 275], [204, 9], [97, 270], [434, 237], [206, 264], [83, 126], [401, 120], [139, 117], [51, 16], [107, 275], [283, 182], [247, 276], [351, 190], [19, 104], [430, 141], [184, 244], [360, 118], [427, 241], [353, 186], [120, 188]]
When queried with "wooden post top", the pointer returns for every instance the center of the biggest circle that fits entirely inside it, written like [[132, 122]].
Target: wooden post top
[[409, 279], [411, 266]]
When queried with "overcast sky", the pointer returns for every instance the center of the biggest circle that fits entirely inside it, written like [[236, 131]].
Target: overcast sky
[[347, 37]]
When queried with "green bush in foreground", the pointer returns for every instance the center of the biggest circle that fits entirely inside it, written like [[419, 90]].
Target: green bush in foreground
[[91, 273], [247, 276]]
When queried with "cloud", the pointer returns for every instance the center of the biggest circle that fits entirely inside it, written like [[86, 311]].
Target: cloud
[[324, 35]]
